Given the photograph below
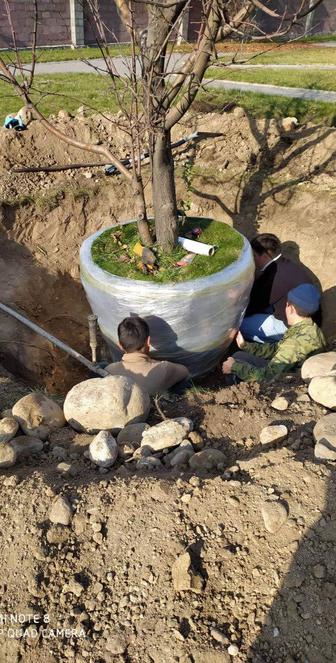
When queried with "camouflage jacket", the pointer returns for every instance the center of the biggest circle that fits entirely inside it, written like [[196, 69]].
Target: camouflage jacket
[[299, 342]]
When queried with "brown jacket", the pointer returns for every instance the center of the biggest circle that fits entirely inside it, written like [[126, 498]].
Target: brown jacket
[[154, 376]]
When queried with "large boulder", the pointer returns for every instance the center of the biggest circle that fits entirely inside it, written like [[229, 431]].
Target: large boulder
[[318, 365], [325, 437], [323, 390], [38, 415], [106, 404]]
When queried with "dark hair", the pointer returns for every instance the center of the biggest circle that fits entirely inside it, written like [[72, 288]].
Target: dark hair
[[300, 311], [133, 334], [266, 243]]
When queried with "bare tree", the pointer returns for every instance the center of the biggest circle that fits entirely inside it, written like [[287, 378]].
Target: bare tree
[[157, 90]]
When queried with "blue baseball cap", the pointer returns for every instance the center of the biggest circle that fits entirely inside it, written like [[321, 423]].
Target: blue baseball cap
[[305, 296]]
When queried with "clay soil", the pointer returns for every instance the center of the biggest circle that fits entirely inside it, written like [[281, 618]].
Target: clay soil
[[271, 595]]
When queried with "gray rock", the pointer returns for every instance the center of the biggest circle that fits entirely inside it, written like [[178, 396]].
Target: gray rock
[[64, 468], [318, 365], [8, 429], [25, 445], [323, 390], [106, 404], [280, 403], [207, 459], [8, 455], [103, 450], [186, 423], [181, 457], [132, 434], [149, 463], [38, 415], [274, 515], [217, 635], [167, 434], [73, 587], [275, 433], [325, 437], [61, 511], [184, 579]]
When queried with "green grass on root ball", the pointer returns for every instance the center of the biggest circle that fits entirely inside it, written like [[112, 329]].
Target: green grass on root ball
[[106, 253]]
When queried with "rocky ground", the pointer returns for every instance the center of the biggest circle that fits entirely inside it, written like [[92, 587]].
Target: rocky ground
[[143, 563]]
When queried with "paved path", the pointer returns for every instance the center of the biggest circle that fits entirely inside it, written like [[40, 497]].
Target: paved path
[[275, 90], [121, 65]]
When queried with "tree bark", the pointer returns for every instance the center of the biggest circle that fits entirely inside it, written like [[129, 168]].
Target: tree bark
[[140, 211], [164, 193]]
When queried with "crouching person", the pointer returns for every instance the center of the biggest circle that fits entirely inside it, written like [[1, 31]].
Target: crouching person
[[303, 338], [154, 376]]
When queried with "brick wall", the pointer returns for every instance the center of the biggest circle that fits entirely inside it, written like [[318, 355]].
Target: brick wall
[[53, 23], [114, 28], [323, 19]]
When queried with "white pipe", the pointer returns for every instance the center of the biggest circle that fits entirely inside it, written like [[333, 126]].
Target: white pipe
[[197, 247], [54, 340]]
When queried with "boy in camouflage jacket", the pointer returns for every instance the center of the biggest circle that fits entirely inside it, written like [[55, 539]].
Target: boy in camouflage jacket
[[303, 338]]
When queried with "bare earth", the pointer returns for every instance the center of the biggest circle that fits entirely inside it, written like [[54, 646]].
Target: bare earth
[[101, 589]]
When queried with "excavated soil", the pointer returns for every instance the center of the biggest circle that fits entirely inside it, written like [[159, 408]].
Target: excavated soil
[[101, 590]]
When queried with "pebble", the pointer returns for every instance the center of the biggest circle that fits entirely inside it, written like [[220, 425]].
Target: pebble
[[218, 636], [274, 515], [25, 445], [167, 434], [197, 440], [280, 403], [233, 650], [184, 579], [319, 571], [61, 511], [275, 433], [8, 455], [207, 459], [116, 644], [8, 429]]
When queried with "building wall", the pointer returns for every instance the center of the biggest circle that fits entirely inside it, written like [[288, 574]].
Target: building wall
[[322, 21], [53, 23], [113, 26]]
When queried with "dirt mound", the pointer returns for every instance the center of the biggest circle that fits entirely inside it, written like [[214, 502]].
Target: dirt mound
[[248, 173], [102, 589]]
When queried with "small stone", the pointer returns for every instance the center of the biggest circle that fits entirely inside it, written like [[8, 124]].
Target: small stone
[[318, 365], [186, 423], [8, 455], [218, 636], [319, 571], [57, 534], [233, 650], [289, 123], [116, 644], [207, 459], [181, 457], [239, 112], [25, 445], [325, 437], [132, 434], [73, 587], [12, 481], [186, 498], [8, 429], [280, 403], [275, 433], [274, 516], [148, 463], [103, 450], [184, 579], [64, 468], [167, 434], [323, 391], [197, 440], [61, 511]]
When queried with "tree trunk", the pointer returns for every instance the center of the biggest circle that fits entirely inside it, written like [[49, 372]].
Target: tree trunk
[[140, 211], [164, 193]]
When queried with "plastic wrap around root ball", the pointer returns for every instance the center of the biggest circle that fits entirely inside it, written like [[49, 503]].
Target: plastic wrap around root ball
[[191, 323]]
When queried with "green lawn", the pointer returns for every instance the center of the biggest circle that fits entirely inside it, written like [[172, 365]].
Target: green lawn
[[281, 56], [64, 91], [63, 54], [69, 91], [318, 79], [113, 252]]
